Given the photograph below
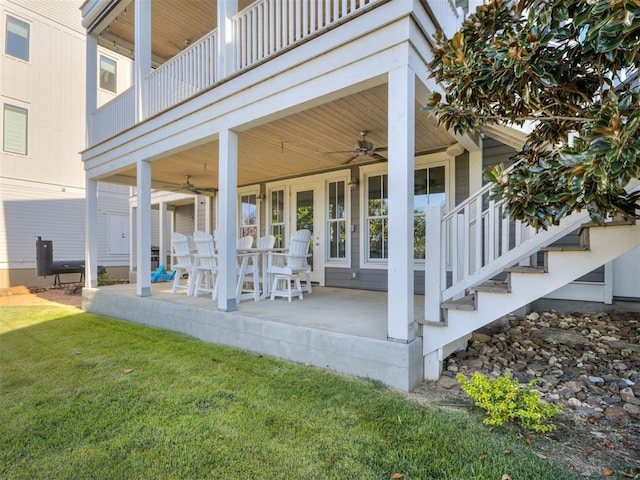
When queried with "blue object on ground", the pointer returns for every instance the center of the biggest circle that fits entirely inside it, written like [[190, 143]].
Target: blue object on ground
[[160, 275]]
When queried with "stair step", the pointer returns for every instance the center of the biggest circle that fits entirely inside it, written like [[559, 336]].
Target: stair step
[[524, 269], [565, 248], [493, 286], [612, 223], [465, 303]]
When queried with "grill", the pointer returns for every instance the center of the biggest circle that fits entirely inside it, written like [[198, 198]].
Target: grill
[[46, 266]]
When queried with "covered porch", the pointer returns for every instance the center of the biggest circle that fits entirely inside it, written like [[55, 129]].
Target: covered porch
[[338, 329]]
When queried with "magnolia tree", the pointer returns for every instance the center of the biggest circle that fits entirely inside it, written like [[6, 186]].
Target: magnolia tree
[[570, 68]]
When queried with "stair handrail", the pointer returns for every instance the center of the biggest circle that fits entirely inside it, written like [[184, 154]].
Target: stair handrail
[[487, 241]]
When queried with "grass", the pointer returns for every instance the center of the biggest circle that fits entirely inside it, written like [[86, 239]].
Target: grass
[[85, 396]]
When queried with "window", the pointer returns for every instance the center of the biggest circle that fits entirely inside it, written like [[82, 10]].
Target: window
[[17, 40], [248, 215], [336, 221], [108, 74], [14, 129], [277, 217], [429, 189], [376, 217]]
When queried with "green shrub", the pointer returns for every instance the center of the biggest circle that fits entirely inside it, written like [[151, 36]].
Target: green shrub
[[506, 400], [106, 279]]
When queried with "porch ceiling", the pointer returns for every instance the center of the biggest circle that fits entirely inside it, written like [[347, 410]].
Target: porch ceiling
[[297, 144], [175, 25]]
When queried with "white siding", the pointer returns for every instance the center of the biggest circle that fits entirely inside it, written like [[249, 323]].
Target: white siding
[[26, 213], [62, 12], [42, 193]]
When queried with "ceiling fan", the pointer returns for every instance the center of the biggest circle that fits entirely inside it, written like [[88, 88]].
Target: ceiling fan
[[363, 148], [189, 187]]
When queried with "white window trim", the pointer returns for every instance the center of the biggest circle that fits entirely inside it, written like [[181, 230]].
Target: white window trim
[[321, 180], [4, 36], [286, 192], [115, 61], [423, 161], [338, 262], [26, 106], [250, 190]]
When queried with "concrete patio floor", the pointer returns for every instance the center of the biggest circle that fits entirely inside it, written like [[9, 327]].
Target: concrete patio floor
[[339, 329]]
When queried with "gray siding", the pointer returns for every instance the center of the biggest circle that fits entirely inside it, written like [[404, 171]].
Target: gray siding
[[495, 153], [462, 177]]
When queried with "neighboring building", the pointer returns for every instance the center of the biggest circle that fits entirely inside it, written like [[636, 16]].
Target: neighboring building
[[42, 100], [264, 101]]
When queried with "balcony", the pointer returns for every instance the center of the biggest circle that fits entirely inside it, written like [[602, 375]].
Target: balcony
[[259, 32]]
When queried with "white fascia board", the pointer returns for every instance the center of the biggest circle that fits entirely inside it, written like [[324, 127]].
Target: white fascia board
[[379, 27], [198, 120]]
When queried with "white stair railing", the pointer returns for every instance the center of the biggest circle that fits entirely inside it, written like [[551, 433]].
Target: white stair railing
[[268, 26], [187, 74], [471, 244]]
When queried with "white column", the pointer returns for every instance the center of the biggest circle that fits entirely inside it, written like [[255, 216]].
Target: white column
[[225, 54], [133, 239], [142, 55], [91, 95], [91, 234], [143, 229], [401, 93], [163, 228], [227, 221], [475, 168]]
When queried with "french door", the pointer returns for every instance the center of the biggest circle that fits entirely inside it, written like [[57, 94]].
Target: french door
[[306, 213]]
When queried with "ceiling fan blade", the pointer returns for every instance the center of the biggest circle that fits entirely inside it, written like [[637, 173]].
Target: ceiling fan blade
[[381, 149], [351, 159], [379, 158], [338, 151]]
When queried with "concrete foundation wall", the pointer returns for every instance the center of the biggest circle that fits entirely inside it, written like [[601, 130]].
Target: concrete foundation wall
[[396, 364]]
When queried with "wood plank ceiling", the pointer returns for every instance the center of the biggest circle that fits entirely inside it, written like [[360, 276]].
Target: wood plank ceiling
[[290, 146]]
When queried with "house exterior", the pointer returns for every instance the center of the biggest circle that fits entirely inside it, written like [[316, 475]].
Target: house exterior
[[257, 106], [42, 184]]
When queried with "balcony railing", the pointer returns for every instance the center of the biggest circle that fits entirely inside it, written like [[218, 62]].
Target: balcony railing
[[268, 26], [185, 75], [260, 31], [114, 117]]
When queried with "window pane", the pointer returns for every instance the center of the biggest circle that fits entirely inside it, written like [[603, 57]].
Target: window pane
[[248, 218], [378, 238], [337, 240], [15, 130], [278, 232], [377, 189], [277, 206], [419, 236], [17, 42], [108, 74], [420, 190], [436, 186], [336, 200], [249, 210]]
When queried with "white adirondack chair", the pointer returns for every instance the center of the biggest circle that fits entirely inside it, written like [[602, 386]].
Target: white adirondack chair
[[205, 269], [286, 268], [182, 262]]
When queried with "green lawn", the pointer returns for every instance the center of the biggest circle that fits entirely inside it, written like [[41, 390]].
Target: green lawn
[[85, 396]]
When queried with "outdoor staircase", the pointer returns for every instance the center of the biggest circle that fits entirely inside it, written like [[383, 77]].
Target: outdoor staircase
[[478, 286]]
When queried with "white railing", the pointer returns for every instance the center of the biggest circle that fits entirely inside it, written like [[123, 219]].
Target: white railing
[[472, 244], [268, 26], [113, 117], [187, 74], [448, 17]]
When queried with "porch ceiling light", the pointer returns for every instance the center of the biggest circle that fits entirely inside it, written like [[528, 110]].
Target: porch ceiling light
[[455, 150]]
